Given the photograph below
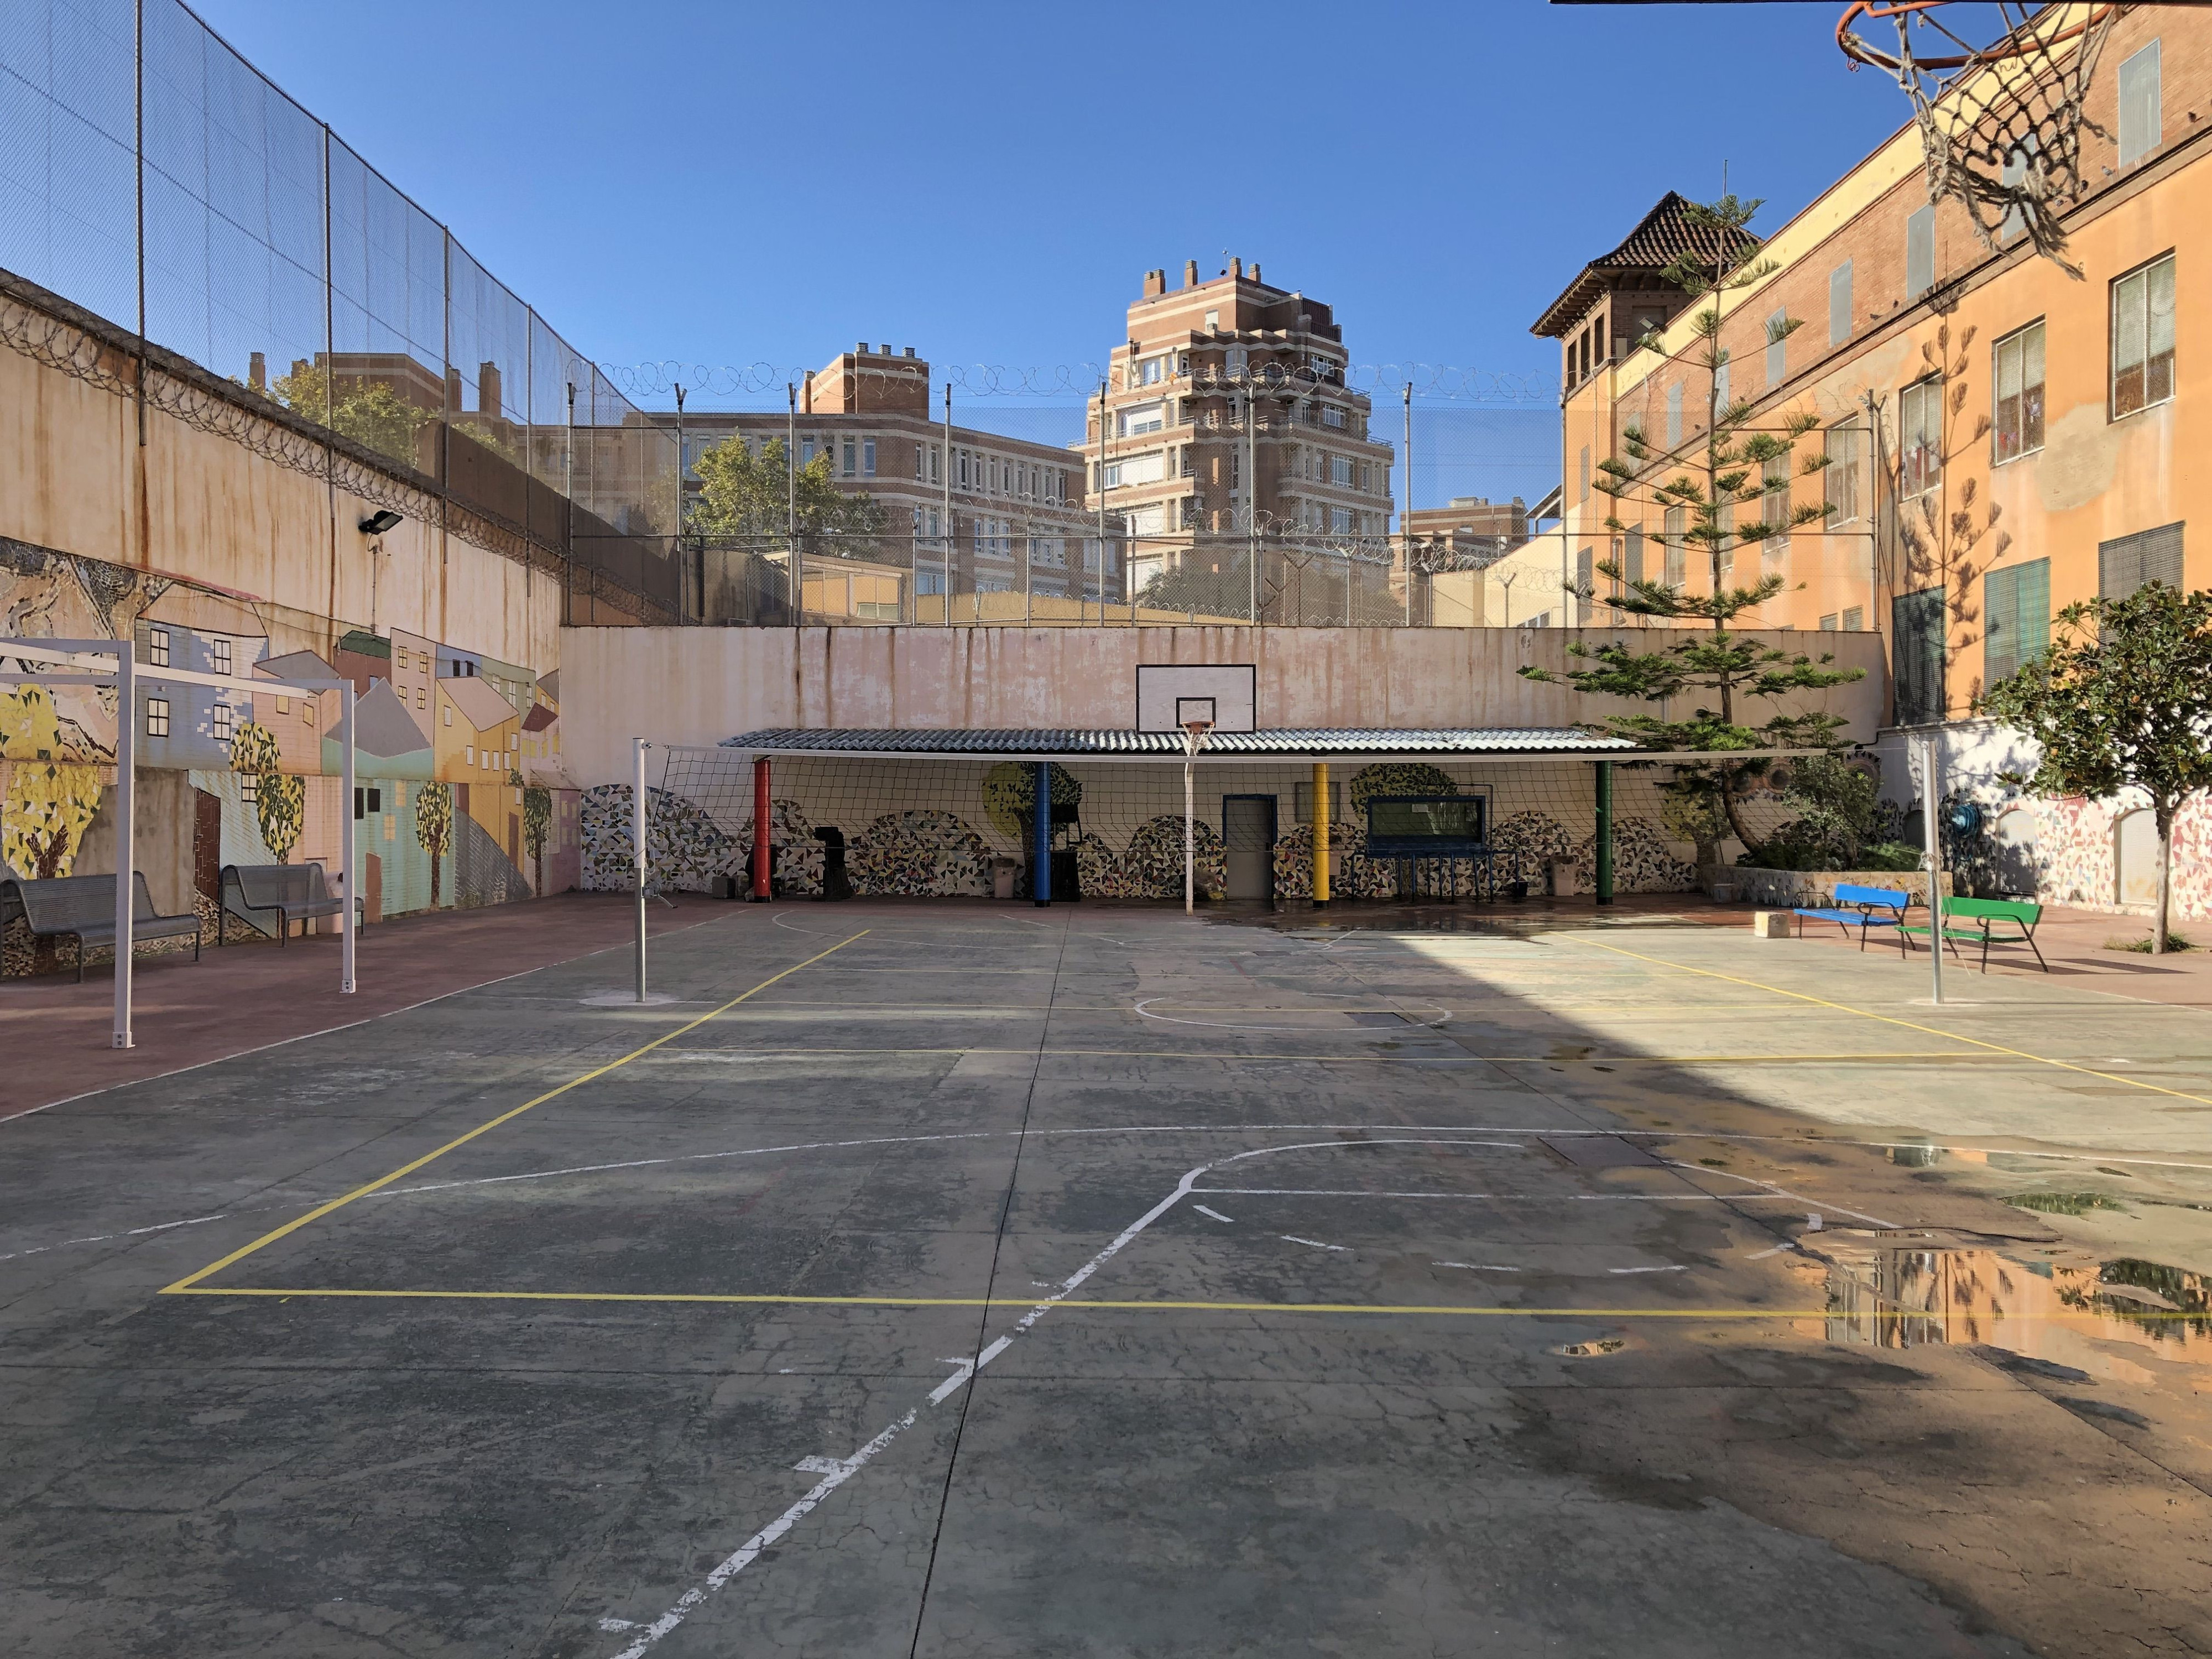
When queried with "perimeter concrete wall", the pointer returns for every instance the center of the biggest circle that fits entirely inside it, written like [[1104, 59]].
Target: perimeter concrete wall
[[699, 685]]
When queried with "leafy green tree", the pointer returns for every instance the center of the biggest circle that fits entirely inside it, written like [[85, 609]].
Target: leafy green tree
[[280, 800], [1731, 488], [374, 416], [2122, 698], [1836, 802], [744, 496], [434, 826]]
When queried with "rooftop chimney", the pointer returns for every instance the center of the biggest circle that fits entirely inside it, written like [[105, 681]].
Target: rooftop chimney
[[1255, 270], [1237, 267], [1156, 283], [909, 351], [1190, 273], [806, 395], [256, 372], [862, 348]]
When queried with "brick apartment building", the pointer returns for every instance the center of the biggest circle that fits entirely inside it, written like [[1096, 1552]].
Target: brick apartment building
[[2003, 438], [993, 513], [1172, 467]]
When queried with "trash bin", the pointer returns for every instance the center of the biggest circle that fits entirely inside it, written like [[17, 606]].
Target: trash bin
[[835, 884], [1005, 873]]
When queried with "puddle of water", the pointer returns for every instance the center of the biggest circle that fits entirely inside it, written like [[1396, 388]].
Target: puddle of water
[[1592, 1350], [1894, 1292]]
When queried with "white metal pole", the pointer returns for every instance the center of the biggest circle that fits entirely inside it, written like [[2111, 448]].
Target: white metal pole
[[1405, 516], [126, 768], [1189, 829], [1931, 822], [349, 852], [637, 844]]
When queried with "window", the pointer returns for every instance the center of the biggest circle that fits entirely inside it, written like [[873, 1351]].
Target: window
[[449, 715], [806, 452], [2127, 562], [1109, 476], [472, 754], [1233, 359], [1188, 464], [1585, 571], [1333, 416], [157, 717], [1920, 437], [920, 465], [1777, 334], [1917, 632], [1339, 471], [929, 581], [1143, 418], [1152, 371], [283, 705], [1213, 320], [420, 697], [1839, 304], [221, 649], [2142, 338], [2139, 105], [1774, 505], [1677, 557], [2016, 617], [1827, 623], [1844, 475], [936, 458], [2018, 375], [157, 646], [1340, 520], [222, 723], [1920, 253], [1673, 415], [1722, 380], [249, 789], [1854, 619], [868, 458]]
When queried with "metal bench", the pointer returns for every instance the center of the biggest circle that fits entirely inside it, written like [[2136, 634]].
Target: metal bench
[[1863, 908], [296, 892], [1987, 915], [82, 908]]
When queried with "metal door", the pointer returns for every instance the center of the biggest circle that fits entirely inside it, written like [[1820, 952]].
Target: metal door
[[1248, 835], [2134, 854]]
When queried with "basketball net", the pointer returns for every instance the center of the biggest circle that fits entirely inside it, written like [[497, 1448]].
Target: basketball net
[[2001, 125]]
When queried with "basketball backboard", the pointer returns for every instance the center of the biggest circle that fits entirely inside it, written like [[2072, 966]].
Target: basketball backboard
[[1170, 696]]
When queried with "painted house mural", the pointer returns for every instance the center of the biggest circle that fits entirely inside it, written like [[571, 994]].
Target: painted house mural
[[459, 799]]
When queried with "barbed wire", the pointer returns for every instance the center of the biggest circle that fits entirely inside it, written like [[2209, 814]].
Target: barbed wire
[[1076, 383]]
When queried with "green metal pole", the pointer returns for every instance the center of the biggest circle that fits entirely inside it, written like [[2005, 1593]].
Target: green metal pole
[[1605, 832]]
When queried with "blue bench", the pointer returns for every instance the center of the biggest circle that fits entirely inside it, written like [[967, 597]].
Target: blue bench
[[1864, 908]]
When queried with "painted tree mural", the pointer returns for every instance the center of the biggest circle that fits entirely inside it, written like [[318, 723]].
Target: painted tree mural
[[434, 826], [280, 800], [50, 799], [537, 823]]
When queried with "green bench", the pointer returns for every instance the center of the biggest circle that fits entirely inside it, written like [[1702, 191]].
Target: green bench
[[1984, 918]]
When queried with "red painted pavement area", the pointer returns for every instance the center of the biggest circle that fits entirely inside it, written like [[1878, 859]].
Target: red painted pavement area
[[55, 1033]]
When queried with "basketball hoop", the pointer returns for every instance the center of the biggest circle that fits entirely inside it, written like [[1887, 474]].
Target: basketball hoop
[[2000, 123], [1195, 735]]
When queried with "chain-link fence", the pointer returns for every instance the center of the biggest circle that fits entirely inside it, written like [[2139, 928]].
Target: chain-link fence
[[175, 228], [152, 177]]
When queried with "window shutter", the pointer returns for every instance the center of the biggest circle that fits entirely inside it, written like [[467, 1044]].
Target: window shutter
[[1839, 304], [2126, 562], [2139, 105], [1920, 253]]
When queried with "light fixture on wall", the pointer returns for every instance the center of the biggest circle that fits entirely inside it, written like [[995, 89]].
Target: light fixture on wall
[[378, 522], [373, 527]]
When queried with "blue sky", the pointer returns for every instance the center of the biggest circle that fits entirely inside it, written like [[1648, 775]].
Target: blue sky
[[721, 184]]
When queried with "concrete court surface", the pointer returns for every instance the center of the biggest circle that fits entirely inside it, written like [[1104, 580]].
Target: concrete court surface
[[979, 1280]]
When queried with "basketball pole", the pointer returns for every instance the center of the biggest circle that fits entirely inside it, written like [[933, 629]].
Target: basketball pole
[[1194, 739], [1931, 832], [637, 833]]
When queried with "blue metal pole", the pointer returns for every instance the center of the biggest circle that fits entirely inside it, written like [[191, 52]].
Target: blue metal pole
[[1041, 856]]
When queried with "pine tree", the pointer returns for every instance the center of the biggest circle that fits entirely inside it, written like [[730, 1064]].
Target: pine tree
[[1735, 464]]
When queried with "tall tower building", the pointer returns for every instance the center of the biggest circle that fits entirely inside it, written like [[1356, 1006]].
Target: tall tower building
[[1226, 414]]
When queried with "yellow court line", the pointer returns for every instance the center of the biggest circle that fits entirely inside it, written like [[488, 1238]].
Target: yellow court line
[[718, 1299], [1459, 1058], [316, 1214], [1907, 1024]]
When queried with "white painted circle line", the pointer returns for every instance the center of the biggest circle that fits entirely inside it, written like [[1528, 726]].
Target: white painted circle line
[[1143, 1008]]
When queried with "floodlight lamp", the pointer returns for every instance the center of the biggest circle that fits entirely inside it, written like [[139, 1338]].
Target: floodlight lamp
[[378, 522]]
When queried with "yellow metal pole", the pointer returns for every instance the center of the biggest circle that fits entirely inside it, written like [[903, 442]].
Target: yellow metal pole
[[1321, 834]]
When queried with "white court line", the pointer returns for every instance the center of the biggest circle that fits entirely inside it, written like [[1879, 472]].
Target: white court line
[[1216, 1214], [1476, 1267], [1292, 1238], [1503, 1198], [1783, 1191], [1307, 1031]]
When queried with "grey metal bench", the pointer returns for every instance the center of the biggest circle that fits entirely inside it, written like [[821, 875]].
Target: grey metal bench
[[82, 908], [296, 892]]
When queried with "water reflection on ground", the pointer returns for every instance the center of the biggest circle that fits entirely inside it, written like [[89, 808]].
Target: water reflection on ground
[[1902, 1289]]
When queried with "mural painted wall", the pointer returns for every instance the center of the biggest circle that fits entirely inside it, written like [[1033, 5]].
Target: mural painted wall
[[460, 799]]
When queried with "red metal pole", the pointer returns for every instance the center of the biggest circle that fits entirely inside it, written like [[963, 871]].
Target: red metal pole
[[762, 808]]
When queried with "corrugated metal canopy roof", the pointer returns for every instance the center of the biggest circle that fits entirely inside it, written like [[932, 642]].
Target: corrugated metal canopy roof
[[1284, 741]]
